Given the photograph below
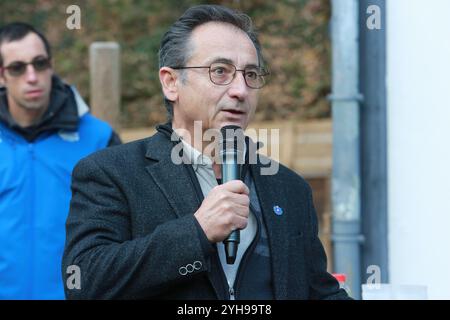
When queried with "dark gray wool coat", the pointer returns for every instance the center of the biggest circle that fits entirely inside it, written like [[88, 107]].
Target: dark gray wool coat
[[131, 228]]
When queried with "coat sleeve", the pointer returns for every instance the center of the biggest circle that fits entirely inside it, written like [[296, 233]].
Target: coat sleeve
[[322, 284], [113, 264]]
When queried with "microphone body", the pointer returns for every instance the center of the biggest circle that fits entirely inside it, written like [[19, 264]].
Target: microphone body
[[231, 153]]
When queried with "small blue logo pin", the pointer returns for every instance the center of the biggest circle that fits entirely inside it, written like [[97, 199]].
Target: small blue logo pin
[[278, 210]]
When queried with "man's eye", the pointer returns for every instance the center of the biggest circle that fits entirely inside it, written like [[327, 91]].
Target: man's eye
[[251, 75], [219, 70], [16, 65]]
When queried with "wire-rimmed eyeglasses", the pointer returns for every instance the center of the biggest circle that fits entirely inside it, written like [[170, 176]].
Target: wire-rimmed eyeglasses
[[222, 73]]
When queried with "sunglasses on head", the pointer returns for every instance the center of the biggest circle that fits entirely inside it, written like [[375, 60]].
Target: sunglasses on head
[[18, 68]]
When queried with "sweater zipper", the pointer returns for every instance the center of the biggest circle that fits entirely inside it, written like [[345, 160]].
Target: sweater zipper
[[232, 291]]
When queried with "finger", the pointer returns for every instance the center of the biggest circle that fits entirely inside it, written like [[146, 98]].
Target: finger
[[242, 211], [236, 186], [240, 199], [240, 223]]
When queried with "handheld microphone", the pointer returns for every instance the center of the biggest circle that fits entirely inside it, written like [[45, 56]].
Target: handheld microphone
[[231, 153]]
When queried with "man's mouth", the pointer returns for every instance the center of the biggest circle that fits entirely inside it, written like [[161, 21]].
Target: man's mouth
[[234, 111], [34, 93]]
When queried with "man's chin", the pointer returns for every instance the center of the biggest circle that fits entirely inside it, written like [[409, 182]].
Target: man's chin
[[34, 105], [239, 123]]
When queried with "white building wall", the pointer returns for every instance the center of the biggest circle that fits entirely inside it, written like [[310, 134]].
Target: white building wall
[[418, 89]]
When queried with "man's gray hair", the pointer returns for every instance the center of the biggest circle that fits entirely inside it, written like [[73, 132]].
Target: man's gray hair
[[175, 51]]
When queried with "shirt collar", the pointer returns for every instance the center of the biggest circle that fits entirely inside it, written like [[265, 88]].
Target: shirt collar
[[199, 160], [195, 157]]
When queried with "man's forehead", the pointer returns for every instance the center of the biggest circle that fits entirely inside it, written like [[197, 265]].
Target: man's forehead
[[216, 39], [24, 49]]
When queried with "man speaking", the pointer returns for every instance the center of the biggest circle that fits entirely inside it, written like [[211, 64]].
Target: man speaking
[[144, 225]]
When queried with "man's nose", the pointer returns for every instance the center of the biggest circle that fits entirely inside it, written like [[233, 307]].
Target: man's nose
[[31, 74], [239, 88]]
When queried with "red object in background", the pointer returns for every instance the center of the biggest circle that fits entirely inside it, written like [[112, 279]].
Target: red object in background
[[341, 277]]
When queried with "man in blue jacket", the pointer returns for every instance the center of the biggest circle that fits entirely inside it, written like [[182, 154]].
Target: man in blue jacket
[[45, 128]]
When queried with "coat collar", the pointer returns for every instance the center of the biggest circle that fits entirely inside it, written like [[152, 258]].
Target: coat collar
[[173, 179], [177, 185]]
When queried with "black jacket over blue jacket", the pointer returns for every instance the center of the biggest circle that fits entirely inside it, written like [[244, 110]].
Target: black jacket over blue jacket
[[35, 170]]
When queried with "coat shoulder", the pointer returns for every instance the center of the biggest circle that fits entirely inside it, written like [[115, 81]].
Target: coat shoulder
[[119, 157]]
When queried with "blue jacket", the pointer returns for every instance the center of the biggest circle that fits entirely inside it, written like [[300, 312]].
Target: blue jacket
[[34, 201]]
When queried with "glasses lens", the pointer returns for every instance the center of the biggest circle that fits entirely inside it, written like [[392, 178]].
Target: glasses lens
[[221, 73], [41, 64], [254, 78], [16, 69]]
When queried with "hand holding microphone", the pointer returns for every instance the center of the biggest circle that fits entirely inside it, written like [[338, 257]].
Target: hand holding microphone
[[226, 208]]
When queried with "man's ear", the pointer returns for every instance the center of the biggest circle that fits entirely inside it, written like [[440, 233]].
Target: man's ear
[[168, 78]]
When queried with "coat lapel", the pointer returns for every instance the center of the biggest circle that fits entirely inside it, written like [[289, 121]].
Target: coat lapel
[[268, 190], [178, 187], [173, 179]]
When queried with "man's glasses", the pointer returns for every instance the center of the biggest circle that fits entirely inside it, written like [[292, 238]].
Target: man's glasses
[[222, 74], [18, 68]]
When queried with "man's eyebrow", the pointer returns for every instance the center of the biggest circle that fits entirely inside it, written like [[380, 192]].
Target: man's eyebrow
[[34, 58], [220, 59], [229, 61]]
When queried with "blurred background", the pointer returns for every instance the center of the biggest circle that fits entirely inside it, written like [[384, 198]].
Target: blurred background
[[299, 85]]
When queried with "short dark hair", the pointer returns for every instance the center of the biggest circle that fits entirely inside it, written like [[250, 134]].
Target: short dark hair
[[18, 30], [174, 49]]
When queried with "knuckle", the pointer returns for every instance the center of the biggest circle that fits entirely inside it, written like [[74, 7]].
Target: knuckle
[[223, 196], [226, 206], [243, 186], [230, 220]]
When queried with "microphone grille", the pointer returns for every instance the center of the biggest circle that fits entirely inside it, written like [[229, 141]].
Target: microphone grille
[[232, 137]]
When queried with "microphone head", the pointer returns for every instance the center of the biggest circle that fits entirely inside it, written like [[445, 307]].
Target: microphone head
[[232, 141], [232, 138], [229, 128]]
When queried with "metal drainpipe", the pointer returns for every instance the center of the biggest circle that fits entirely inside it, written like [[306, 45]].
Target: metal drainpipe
[[346, 198]]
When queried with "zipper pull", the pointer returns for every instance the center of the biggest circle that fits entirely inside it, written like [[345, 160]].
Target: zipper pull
[[231, 292]]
